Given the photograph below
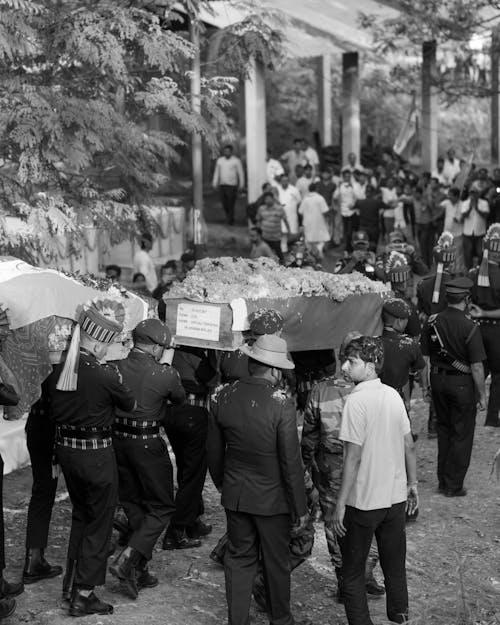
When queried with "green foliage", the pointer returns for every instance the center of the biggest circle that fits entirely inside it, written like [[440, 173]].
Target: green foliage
[[79, 81]]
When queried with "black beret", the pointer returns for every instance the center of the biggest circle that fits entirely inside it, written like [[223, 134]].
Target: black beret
[[152, 331], [397, 308]]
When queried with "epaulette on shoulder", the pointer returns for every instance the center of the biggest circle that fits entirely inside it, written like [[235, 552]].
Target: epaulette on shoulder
[[280, 395]]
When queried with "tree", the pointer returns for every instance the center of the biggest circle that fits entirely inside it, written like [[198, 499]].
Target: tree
[[462, 32], [78, 81]]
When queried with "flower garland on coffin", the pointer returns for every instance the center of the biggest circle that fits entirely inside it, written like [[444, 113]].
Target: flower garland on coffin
[[222, 280]]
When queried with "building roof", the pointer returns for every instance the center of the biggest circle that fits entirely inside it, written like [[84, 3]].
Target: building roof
[[314, 26]]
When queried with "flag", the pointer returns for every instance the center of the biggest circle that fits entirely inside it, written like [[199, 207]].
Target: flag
[[409, 132]]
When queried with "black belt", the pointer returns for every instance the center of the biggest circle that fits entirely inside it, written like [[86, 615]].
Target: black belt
[[83, 438], [441, 371], [135, 428], [83, 433]]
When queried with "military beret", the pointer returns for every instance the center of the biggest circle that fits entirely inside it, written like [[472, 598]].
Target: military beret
[[265, 321], [152, 332], [459, 285], [397, 308]]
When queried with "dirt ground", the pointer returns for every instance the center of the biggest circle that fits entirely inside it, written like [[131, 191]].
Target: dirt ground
[[453, 558]]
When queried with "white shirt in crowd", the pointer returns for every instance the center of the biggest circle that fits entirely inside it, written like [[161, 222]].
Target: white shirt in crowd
[[302, 185], [452, 216], [290, 199], [229, 171], [375, 418], [389, 197], [475, 223], [313, 210], [274, 169], [143, 263], [346, 198], [450, 170], [312, 158], [359, 190]]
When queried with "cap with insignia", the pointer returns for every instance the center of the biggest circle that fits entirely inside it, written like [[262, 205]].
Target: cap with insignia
[[444, 253], [397, 268], [491, 252], [459, 286], [360, 239], [265, 321], [397, 236], [152, 332], [397, 308]]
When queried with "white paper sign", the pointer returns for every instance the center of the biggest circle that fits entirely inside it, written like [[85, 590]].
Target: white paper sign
[[198, 322]]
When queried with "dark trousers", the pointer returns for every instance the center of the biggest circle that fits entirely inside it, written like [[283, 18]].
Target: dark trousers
[[473, 246], [249, 535], [350, 226], [92, 481], [490, 334], [146, 489], [228, 195], [186, 428], [388, 525], [276, 247], [40, 436], [455, 403], [425, 236]]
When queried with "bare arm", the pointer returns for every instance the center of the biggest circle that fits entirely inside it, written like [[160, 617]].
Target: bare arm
[[411, 474], [478, 377], [352, 460]]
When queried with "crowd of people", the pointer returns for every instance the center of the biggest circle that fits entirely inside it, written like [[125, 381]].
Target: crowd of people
[[235, 415]]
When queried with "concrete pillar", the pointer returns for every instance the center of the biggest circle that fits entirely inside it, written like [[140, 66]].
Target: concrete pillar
[[495, 95], [429, 107], [324, 90], [351, 126], [196, 141], [255, 129]]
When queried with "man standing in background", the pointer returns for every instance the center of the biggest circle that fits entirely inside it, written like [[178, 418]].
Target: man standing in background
[[228, 178]]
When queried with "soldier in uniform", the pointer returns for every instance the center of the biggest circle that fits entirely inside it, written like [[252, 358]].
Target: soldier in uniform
[[40, 440], [254, 459], [145, 472], [452, 342], [485, 309], [431, 297], [402, 353], [186, 428], [362, 258], [84, 396], [397, 243]]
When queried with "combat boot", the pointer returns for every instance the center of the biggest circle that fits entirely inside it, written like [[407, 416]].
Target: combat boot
[[198, 529], [145, 579], [37, 568], [10, 590], [7, 607], [68, 579], [218, 552], [124, 568], [83, 604], [177, 538], [372, 587]]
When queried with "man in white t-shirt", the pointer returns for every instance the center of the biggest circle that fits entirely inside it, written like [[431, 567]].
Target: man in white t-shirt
[[379, 483]]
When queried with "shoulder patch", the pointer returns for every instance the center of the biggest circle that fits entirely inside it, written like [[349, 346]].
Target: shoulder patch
[[279, 394]]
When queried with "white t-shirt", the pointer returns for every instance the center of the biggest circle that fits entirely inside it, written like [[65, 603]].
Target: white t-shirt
[[375, 418], [143, 263]]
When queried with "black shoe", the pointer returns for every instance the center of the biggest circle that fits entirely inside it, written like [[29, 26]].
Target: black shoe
[[145, 579], [10, 590], [373, 588], [198, 529], [124, 569], [7, 607], [178, 539], [37, 567], [82, 605], [457, 492]]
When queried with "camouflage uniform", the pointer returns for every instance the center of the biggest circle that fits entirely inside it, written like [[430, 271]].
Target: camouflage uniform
[[322, 455]]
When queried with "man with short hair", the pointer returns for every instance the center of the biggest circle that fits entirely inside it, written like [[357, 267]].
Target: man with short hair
[[254, 460], [305, 181], [113, 272], [269, 218], [370, 211], [346, 199], [451, 167], [144, 468], [379, 476], [228, 178], [474, 215], [259, 247], [292, 158]]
